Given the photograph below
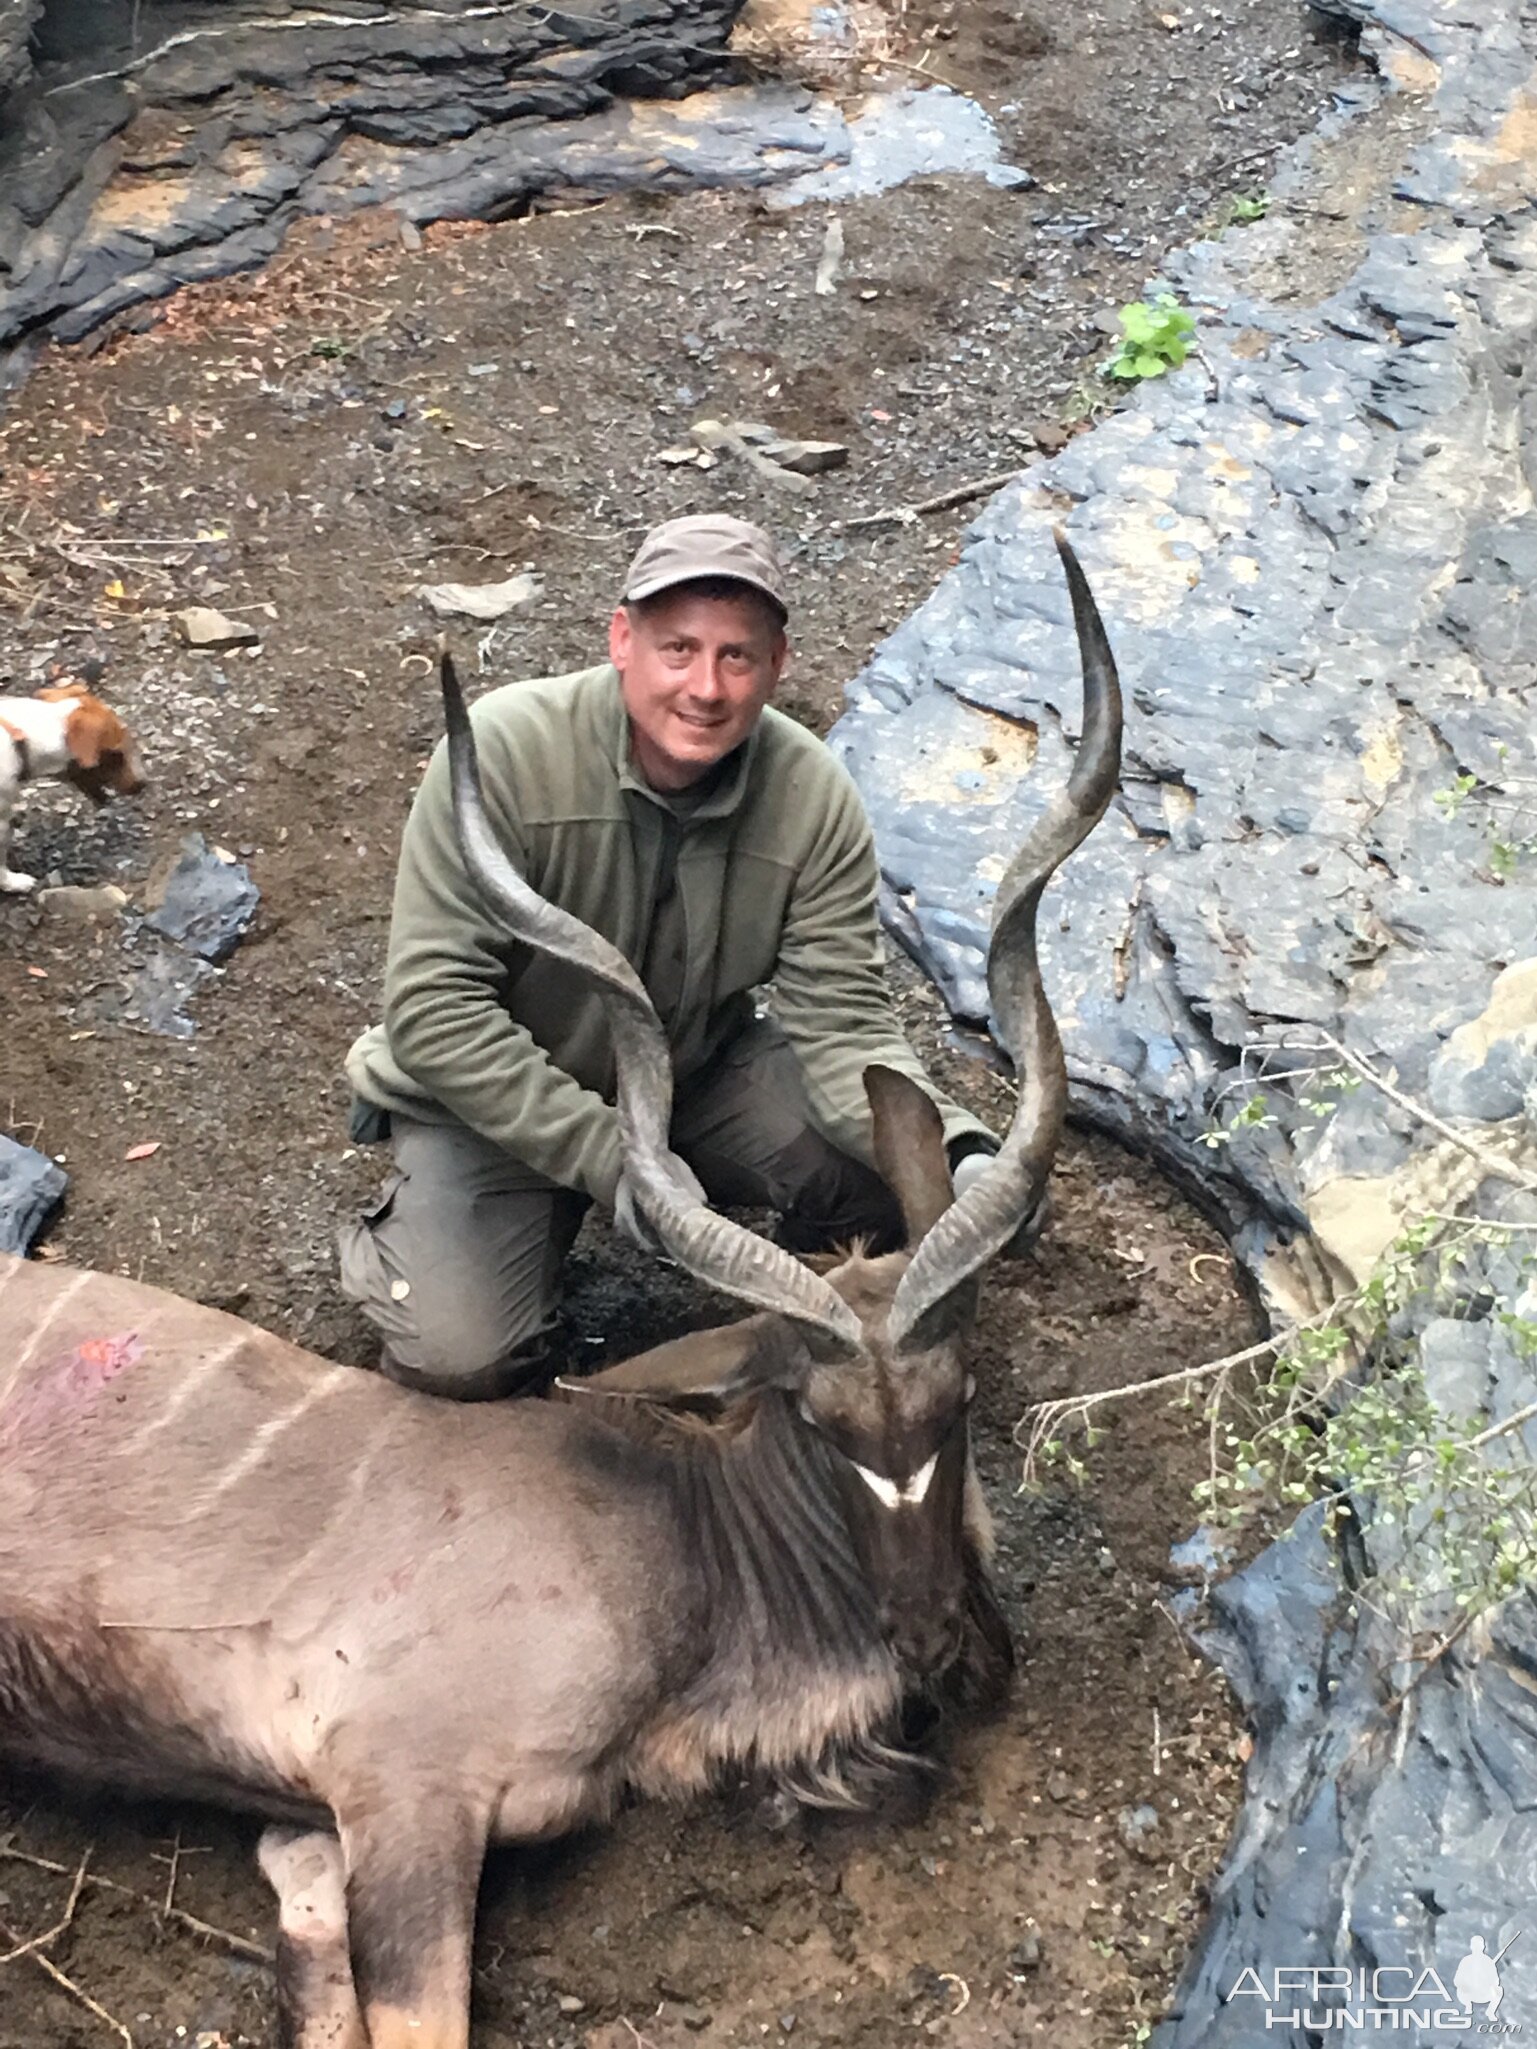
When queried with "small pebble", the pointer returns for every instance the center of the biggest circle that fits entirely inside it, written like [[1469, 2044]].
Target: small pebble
[[1026, 1953]]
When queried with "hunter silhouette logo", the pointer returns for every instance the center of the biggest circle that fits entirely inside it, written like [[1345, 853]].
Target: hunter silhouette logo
[[1476, 1981]]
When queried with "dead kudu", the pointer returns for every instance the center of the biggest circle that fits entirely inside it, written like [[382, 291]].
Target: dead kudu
[[230, 1569]]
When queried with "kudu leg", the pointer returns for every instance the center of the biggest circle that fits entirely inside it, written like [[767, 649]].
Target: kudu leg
[[412, 1878], [317, 2003]]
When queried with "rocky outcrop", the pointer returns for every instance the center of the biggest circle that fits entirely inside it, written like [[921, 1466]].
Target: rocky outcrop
[[1316, 555], [127, 169], [16, 19]]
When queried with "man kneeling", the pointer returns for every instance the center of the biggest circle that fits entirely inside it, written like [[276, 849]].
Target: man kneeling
[[720, 847]]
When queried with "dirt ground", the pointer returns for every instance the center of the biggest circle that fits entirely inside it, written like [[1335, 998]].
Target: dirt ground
[[304, 448]]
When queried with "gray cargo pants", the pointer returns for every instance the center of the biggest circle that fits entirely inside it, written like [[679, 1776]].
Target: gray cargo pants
[[459, 1265]]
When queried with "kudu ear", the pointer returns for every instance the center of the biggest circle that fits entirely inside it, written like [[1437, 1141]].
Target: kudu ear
[[910, 1148], [707, 1369]]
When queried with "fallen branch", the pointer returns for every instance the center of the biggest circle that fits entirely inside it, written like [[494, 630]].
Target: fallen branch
[[1045, 1417], [1493, 1165], [1515, 1421], [904, 515], [237, 1945], [127, 541], [35, 1946], [1470, 1224], [75, 1991], [38, 1942], [919, 69]]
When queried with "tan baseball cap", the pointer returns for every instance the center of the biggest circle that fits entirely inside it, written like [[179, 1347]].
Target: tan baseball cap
[[706, 544]]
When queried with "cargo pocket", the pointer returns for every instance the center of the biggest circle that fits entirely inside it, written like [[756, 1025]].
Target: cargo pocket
[[372, 1277]]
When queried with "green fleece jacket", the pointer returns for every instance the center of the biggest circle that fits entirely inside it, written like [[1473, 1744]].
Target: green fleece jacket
[[768, 879]]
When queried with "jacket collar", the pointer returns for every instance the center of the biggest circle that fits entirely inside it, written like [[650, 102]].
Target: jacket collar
[[731, 787]]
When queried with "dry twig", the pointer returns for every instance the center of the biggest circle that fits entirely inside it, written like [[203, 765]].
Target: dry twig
[[75, 1991], [1047, 1417], [1494, 1166], [35, 1947], [905, 514], [38, 1942], [237, 1945]]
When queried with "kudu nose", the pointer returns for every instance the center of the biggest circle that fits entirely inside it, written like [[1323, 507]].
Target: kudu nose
[[923, 1643]]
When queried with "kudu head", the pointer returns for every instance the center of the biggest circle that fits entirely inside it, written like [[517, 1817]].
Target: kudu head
[[864, 1364]]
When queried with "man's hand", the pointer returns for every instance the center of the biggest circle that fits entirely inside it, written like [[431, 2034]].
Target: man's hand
[[969, 1169]]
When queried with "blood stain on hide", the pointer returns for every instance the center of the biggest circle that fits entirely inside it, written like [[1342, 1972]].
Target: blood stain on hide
[[69, 1385]]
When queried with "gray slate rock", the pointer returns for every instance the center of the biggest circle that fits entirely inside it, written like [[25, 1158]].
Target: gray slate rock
[[236, 126], [16, 21], [30, 1186], [159, 992], [207, 904]]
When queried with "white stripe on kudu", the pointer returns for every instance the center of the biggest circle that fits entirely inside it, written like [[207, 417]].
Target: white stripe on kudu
[[889, 1494]]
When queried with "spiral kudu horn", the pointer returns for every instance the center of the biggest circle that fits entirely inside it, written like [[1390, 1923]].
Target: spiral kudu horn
[[983, 1220]]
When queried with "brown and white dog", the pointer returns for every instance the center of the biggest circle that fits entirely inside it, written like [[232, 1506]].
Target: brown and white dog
[[66, 733]]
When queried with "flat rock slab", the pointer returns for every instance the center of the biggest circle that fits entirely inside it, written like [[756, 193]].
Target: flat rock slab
[[16, 20], [159, 992], [201, 626], [207, 902], [128, 170], [31, 1185], [914, 132], [1317, 559]]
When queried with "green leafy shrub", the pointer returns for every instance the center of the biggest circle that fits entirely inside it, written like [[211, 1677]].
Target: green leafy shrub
[[1154, 338]]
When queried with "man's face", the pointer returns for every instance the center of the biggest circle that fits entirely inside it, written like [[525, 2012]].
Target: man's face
[[695, 672]]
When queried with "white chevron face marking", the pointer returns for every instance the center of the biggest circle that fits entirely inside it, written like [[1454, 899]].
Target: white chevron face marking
[[886, 1492], [889, 1494]]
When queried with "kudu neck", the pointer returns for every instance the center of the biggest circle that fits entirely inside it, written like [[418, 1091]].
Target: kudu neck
[[764, 1509]]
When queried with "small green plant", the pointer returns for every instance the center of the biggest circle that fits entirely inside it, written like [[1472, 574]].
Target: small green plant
[[1256, 1111], [1154, 338], [1508, 820], [1457, 792], [1247, 208]]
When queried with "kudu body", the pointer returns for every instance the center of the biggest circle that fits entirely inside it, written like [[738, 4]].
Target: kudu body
[[230, 1569]]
